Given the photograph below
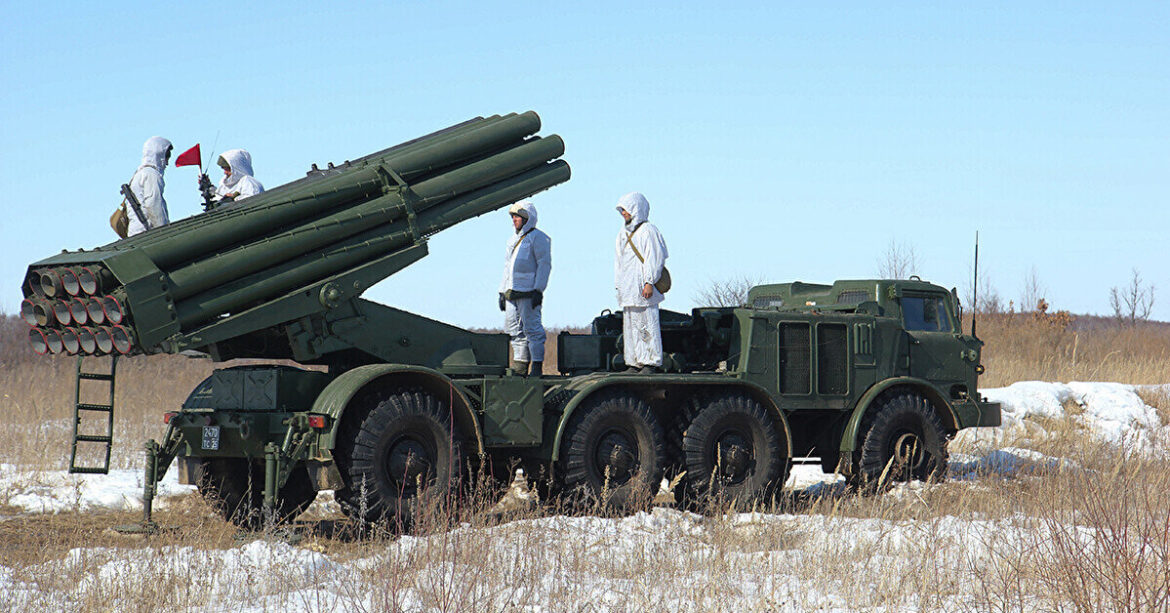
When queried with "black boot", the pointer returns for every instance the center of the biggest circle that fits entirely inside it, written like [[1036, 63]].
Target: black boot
[[537, 369]]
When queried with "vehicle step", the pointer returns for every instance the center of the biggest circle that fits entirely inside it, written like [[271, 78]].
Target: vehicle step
[[96, 376], [89, 470], [105, 408], [94, 438]]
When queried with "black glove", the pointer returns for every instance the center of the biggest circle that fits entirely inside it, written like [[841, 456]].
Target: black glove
[[537, 298], [501, 301]]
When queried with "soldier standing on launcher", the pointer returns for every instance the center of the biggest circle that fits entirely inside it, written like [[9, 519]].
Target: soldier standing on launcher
[[147, 185], [527, 264], [640, 262]]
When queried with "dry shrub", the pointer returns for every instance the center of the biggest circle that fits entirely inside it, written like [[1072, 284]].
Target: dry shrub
[[1059, 347]]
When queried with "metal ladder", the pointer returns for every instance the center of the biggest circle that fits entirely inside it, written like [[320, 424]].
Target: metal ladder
[[82, 408]]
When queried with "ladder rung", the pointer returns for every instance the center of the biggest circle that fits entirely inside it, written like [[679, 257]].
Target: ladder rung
[[94, 375], [94, 438], [105, 408], [89, 470]]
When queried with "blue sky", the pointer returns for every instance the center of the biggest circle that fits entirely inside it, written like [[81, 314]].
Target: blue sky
[[774, 141]]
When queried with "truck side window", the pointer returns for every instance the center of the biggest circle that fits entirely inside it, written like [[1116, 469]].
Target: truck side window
[[925, 313]]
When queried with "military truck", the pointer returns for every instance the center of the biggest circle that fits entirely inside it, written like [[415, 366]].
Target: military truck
[[872, 377]]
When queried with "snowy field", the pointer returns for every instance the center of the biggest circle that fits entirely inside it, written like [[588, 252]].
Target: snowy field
[[663, 560]]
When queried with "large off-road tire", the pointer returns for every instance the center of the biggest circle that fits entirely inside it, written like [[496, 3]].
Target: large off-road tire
[[735, 450], [904, 440], [235, 487], [615, 451], [404, 451]]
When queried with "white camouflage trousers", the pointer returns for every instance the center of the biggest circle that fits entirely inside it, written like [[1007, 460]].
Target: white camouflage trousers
[[522, 322], [641, 336]]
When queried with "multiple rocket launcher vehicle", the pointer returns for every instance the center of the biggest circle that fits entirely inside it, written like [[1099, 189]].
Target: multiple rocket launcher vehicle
[[867, 375]]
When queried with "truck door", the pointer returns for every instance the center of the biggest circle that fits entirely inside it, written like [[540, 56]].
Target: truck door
[[935, 355]]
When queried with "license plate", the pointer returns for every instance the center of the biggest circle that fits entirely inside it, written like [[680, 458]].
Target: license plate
[[211, 437]]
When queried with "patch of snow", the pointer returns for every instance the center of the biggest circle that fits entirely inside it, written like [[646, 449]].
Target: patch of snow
[[1111, 411], [57, 491]]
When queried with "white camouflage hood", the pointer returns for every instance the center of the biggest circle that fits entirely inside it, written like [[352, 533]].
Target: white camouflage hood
[[154, 153], [637, 206], [240, 162]]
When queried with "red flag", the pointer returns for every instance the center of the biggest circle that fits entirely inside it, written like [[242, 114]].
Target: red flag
[[190, 157]]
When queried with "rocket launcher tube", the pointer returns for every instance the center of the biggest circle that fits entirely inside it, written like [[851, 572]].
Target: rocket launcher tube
[[70, 341], [279, 207], [363, 247], [62, 313], [210, 272], [28, 311]]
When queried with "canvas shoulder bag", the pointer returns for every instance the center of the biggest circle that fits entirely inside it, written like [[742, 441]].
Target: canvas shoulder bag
[[663, 282]]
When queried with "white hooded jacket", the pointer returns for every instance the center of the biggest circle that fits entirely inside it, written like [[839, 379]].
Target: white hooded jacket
[[630, 273], [241, 179], [527, 256], [147, 186]]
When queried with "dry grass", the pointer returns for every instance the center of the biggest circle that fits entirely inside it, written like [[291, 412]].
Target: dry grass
[[1091, 533]]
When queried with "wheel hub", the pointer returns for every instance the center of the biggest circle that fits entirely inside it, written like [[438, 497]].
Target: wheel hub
[[908, 451], [408, 460], [617, 453], [735, 455]]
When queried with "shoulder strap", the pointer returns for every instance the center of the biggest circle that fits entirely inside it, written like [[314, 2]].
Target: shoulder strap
[[519, 240], [630, 240]]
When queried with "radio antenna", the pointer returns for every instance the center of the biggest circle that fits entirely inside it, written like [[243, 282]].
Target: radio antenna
[[975, 286]]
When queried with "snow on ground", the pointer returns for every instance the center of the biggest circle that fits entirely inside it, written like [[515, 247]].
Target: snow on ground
[[57, 491], [1112, 411], [663, 560], [563, 559]]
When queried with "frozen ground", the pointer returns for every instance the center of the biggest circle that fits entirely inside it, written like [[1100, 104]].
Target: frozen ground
[[256, 576]]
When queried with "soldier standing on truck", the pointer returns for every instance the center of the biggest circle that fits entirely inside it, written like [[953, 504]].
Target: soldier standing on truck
[[527, 264], [147, 186], [639, 269]]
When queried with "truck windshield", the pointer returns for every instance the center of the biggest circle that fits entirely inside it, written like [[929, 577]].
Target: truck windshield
[[927, 313]]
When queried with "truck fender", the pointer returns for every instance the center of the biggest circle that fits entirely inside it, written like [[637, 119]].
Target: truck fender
[[849, 442], [336, 396], [757, 392]]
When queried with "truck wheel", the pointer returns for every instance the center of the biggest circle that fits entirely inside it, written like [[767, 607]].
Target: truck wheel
[[904, 440], [235, 487], [403, 450], [615, 450], [733, 449]]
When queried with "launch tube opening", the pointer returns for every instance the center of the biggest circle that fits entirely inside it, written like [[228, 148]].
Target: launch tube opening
[[105, 343], [123, 339], [113, 310], [78, 311], [85, 337], [36, 338], [61, 312], [69, 282], [28, 312], [51, 283], [70, 341], [93, 307], [53, 340]]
